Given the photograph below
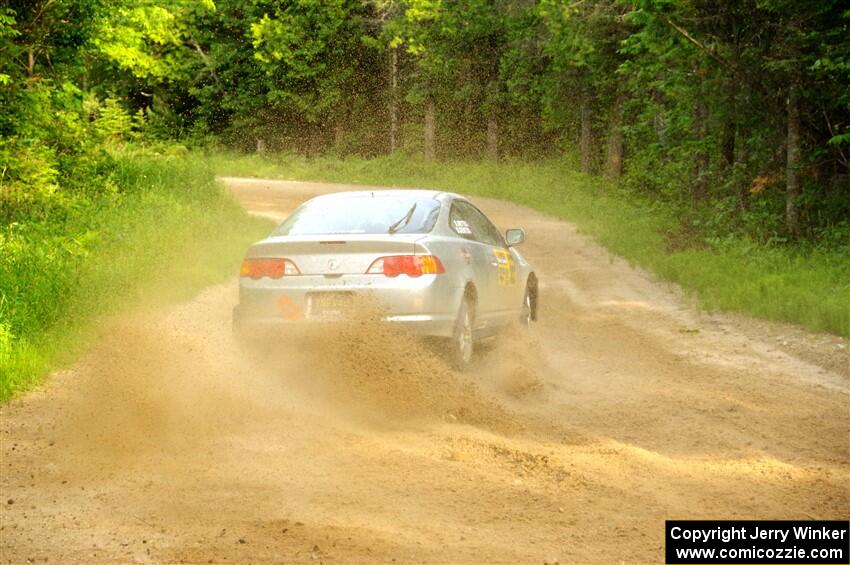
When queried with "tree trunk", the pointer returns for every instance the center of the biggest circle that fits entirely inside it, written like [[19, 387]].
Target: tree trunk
[[472, 110], [339, 133], [586, 142], [741, 160], [30, 63], [614, 159], [700, 188], [792, 167], [261, 146], [468, 110], [430, 130], [492, 137], [729, 151], [659, 122], [730, 122], [393, 100]]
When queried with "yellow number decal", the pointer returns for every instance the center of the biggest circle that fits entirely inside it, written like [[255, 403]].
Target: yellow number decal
[[507, 272]]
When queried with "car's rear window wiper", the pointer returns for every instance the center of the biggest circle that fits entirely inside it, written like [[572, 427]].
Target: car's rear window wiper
[[403, 221]]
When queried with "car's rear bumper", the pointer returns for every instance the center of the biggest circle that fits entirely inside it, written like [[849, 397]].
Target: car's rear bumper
[[424, 324], [426, 305]]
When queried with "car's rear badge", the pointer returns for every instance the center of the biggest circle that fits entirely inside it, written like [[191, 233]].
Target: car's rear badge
[[333, 265]]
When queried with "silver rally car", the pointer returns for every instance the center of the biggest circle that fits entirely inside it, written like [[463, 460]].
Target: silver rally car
[[431, 260]]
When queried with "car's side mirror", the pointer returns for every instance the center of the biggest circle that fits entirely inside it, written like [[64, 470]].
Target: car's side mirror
[[515, 236]]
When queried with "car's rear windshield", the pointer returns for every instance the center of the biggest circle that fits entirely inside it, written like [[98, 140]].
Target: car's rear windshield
[[363, 215]]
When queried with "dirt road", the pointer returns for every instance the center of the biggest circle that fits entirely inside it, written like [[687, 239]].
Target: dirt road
[[624, 406]]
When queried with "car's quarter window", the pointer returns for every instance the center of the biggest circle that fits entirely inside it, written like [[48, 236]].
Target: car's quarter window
[[363, 214], [459, 220], [470, 223]]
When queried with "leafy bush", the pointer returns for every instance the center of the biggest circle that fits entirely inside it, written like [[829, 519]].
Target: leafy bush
[[62, 269]]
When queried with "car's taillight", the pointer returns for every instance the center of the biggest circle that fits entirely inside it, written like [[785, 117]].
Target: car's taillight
[[272, 268], [411, 265]]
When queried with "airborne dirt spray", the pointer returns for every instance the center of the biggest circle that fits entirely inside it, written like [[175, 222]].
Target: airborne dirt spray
[[380, 373], [176, 384]]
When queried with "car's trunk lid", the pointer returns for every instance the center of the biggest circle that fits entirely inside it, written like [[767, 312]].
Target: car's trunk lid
[[334, 255]]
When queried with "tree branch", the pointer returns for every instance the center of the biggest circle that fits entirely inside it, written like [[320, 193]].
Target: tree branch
[[694, 41], [192, 42], [843, 158]]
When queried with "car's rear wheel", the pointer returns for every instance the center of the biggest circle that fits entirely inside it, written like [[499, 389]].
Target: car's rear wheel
[[463, 342], [526, 315], [528, 312]]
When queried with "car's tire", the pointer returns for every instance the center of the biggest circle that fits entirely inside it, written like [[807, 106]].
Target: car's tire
[[526, 315], [463, 340]]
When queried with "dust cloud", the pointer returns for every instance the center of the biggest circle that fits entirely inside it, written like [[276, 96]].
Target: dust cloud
[[154, 385]]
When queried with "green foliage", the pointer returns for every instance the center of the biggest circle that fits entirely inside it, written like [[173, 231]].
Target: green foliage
[[709, 127], [60, 272], [113, 122], [306, 49], [583, 39], [88, 223], [695, 94], [138, 38], [33, 178]]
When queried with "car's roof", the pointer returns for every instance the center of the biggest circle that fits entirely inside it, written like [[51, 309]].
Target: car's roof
[[377, 193]]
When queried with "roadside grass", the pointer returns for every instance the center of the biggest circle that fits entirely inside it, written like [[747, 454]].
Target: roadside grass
[[803, 285], [167, 231]]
